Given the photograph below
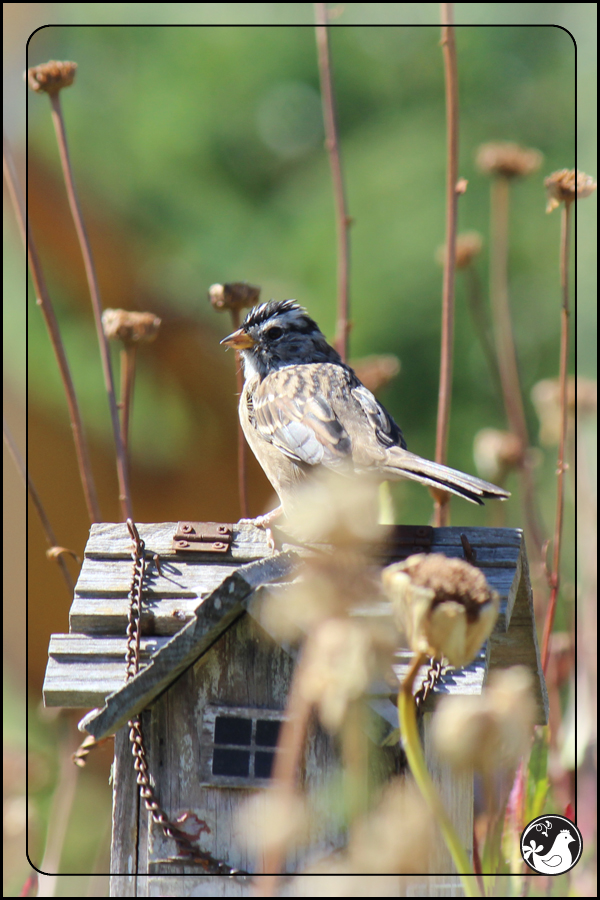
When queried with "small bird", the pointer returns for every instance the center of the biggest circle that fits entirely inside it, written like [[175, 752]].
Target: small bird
[[302, 407], [558, 859]]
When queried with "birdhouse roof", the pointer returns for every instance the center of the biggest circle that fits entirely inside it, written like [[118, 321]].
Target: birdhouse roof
[[200, 591]]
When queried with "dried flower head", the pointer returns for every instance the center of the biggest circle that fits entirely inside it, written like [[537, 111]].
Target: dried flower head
[[339, 664], [376, 371], [468, 246], [507, 159], [269, 819], [445, 607], [130, 327], [235, 296], [563, 186], [331, 508], [374, 845], [491, 731], [395, 836], [497, 453], [52, 76], [338, 517], [582, 397]]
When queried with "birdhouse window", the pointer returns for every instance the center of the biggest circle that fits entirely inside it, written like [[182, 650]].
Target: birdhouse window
[[238, 745]]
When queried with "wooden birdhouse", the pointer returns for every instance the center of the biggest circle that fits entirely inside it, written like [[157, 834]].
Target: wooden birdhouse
[[212, 688]]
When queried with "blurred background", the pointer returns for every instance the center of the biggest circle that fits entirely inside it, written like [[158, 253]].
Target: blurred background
[[199, 157]]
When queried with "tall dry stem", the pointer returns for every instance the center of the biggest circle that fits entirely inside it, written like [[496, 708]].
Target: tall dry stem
[[442, 501], [562, 447], [44, 302], [342, 219], [506, 353], [37, 502], [122, 468]]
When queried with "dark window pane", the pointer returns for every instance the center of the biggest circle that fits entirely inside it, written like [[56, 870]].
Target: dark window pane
[[267, 731], [263, 763], [231, 762], [232, 730]]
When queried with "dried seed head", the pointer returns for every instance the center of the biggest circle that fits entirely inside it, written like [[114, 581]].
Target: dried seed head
[[339, 664], [271, 819], [130, 327], [52, 76], [373, 845], [331, 508], [564, 186], [497, 453], [445, 607], [235, 296], [507, 159], [377, 371], [582, 397], [468, 246], [490, 732]]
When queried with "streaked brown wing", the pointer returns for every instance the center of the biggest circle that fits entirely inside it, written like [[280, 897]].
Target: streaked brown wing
[[290, 411]]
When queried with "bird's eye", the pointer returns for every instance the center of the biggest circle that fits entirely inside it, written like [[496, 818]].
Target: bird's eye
[[274, 332]]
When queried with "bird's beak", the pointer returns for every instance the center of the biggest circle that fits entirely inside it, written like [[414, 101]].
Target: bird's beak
[[239, 340]]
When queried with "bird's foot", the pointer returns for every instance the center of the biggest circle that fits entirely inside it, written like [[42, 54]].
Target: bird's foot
[[264, 522]]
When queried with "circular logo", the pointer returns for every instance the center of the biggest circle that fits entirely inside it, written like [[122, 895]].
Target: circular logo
[[551, 845]]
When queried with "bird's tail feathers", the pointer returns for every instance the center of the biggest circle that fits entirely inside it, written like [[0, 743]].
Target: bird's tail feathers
[[403, 464]]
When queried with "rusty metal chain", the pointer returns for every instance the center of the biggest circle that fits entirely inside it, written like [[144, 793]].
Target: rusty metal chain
[[434, 673], [185, 845]]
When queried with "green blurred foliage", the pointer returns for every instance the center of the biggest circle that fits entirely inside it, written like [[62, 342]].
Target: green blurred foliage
[[206, 144]]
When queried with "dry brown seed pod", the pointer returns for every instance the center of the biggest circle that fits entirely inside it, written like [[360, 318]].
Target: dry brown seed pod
[[563, 186], [376, 371], [468, 246], [545, 396], [489, 732], [234, 296], [130, 327], [445, 607], [52, 76], [508, 159], [497, 453]]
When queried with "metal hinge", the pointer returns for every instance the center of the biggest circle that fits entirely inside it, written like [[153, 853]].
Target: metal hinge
[[202, 537]]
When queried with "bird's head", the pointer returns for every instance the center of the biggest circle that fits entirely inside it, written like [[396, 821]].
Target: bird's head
[[278, 334]]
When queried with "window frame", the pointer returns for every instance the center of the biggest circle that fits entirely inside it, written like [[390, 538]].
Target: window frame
[[207, 744]]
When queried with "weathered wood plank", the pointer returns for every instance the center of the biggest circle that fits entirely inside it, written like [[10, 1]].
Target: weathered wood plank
[[81, 685], [518, 645], [109, 539], [250, 542], [126, 813], [219, 611], [487, 537], [83, 670], [179, 578], [81, 646], [99, 615]]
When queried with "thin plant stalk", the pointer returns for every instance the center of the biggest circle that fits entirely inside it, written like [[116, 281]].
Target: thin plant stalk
[[355, 760], [241, 440], [37, 502], [290, 747], [122, 469], [342, 219], [44, 302], [442, 501], [128, 361], [59, 820], [416, 760], [505, 349], [562, 447], [481, 325]]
